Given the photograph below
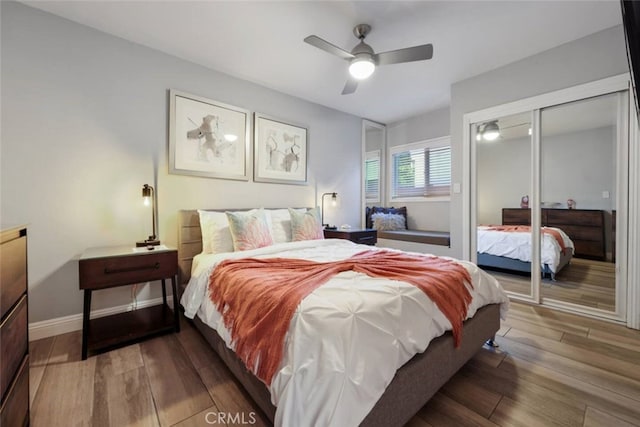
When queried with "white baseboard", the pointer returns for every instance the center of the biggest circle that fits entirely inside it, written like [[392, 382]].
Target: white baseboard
[[63, 325]]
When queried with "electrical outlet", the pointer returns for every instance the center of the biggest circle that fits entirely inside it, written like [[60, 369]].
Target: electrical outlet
[[605, 194]]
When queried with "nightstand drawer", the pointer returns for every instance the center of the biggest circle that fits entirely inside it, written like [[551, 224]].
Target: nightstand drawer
[[364, 237], [14, 343], [100, 273]]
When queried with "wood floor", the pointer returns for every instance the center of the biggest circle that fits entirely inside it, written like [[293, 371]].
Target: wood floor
[[551, 369], [584, 282]]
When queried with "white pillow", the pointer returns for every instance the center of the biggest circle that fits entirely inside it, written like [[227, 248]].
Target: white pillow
[[388, 222], [249, 230], [280, 221], [216, 235], [306, 225]]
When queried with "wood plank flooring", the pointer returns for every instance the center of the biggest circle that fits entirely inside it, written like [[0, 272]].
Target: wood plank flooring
[[584, 282], [551, 369]]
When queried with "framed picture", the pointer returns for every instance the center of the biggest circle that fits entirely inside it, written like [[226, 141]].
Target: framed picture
[[280, 151], [208, 138]]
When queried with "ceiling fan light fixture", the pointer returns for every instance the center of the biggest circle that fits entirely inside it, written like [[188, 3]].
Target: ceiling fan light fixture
[[361, 67], [491, 131]]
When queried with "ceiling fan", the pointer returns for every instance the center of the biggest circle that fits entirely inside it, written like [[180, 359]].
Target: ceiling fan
[[363, 60]]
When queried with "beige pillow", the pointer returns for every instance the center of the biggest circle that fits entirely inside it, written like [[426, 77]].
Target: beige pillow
[[216, 235], [306, 225]]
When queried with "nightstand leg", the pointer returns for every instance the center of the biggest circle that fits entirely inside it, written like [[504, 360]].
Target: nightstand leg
[[176, 307], [85, 322], [164, 293]]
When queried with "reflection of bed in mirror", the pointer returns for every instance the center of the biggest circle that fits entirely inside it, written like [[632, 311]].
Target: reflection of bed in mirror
[[508, 247]]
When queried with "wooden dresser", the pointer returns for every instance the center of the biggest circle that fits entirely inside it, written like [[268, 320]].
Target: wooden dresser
[[585, 227], [14, 339]]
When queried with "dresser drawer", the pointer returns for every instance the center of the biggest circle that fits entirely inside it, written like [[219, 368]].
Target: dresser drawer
[[576, 232], [13, 336], [558, 217], [15, 408], [100, 273], [588, 249], [516, 216], [13, 272]]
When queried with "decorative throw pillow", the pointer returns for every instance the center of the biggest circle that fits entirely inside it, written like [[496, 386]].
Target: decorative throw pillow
[[388, 221], [216, 236], [306, 225], [378, 209], [280, 224], [249, 230]]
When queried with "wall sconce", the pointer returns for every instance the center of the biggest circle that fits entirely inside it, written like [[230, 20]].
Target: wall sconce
[[333, 203], [149, 199]]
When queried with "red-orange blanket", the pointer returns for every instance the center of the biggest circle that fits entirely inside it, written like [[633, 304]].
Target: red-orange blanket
[[258, 297], [527, 229]]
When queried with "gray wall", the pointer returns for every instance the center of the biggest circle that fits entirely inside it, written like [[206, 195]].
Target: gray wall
[[584, 60], [85, 125], [575, 165], [422, 215]]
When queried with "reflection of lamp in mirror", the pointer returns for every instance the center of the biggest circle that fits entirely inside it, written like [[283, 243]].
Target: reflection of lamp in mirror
[[334, 198], [149, 199]]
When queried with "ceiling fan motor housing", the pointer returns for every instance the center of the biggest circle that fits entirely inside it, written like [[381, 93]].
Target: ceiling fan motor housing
[[361, 30]]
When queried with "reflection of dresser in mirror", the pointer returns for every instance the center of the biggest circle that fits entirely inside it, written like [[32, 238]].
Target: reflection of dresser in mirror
[[613, 236], [585, 227]]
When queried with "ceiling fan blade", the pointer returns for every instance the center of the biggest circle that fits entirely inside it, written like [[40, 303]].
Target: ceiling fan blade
[[409, 54], [328, 47], [350, 86]]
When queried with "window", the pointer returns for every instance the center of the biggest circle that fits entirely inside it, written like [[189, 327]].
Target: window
[[372, 176], [421, 169]]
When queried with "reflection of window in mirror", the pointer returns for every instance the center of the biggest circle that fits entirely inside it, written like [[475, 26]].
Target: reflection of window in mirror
[[372, 176], [373, 164]]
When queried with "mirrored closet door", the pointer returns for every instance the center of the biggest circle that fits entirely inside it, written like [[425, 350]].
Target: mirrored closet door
[[374, 138], [549, 197], [503, 164], [578, 192]]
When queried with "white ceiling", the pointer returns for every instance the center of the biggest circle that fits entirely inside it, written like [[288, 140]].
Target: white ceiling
[[261, 41]]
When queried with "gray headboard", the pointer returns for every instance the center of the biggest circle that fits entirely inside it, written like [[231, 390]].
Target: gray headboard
[[189, 243], [190, 240]]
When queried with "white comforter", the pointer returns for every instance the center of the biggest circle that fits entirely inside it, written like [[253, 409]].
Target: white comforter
[[518, 245], [347, 338]]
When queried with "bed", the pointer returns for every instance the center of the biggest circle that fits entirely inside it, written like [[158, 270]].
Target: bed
[[508, 247], [407, 380]]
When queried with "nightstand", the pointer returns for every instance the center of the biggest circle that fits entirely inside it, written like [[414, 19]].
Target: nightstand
[[368, 236], [108, 267]]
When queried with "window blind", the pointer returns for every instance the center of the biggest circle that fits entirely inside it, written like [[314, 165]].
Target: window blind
[[372, 176], [424, 170]]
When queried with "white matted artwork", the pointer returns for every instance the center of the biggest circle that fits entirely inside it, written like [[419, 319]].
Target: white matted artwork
[[208, 138], [281, 151]]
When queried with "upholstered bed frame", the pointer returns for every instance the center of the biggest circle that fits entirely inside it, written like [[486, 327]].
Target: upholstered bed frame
[[505, 263], [414, 383]]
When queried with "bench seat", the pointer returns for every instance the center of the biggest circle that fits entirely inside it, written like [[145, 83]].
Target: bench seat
[[441, 238]]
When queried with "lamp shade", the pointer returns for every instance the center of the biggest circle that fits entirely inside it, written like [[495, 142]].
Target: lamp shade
[[334, 198], [148, 197]]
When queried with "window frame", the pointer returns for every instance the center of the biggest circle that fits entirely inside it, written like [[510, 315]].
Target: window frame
[[428, 144]]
